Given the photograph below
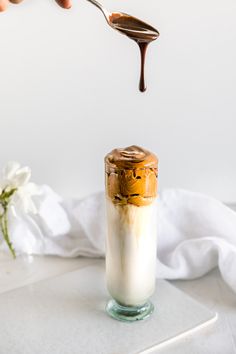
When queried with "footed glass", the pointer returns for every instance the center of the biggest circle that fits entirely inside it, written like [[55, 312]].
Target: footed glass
[[129, 313], [131, 242]]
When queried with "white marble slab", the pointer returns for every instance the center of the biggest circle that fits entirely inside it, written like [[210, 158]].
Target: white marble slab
[[25, 270], [66, 314]]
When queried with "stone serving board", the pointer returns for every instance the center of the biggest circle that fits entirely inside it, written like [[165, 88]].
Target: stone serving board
[[66, 314]]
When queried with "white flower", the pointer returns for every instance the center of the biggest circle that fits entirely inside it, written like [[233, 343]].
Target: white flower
[[22, 198], [13, 176], [16, 193], [16, 177]]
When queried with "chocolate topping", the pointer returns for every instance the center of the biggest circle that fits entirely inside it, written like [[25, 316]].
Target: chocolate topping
[[131, 176]]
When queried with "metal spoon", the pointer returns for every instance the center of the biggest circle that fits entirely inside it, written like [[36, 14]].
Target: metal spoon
[[135, 29], [128, 25]]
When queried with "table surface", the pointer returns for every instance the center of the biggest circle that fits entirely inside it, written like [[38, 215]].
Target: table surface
[[210, 290]]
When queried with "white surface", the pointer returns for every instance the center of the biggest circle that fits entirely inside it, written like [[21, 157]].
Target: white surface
[[209, 290], [69, 87], [68, 313], [28, 269]]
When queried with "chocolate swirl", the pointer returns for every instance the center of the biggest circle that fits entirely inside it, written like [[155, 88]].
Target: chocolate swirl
[[131, 176]]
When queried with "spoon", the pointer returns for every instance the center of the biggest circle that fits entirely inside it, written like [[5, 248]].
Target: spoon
[[135, 29]]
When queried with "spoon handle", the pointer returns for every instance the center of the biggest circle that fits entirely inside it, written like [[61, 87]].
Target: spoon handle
[[101, 7]]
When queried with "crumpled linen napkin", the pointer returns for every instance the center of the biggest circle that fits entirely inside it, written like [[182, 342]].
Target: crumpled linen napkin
[[195, 232]]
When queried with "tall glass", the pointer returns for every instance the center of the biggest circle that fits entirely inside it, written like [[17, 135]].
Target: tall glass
[[131, 193]]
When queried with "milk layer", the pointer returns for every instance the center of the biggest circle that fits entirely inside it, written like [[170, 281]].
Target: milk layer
[[131, 252]]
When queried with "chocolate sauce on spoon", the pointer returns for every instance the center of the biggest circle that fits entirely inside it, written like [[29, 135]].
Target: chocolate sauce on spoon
[[142, 33]]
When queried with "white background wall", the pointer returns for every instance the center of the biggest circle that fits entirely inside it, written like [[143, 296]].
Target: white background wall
[[68, 93]]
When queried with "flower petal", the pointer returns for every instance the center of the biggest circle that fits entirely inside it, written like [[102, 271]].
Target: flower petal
[[22, 200], [31, 189], [10, 169], [13, 210], [21, 177]]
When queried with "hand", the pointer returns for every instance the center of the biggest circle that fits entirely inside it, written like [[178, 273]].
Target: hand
[[66, 4]]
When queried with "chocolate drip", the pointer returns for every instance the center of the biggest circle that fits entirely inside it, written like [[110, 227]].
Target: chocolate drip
[[139, 31]]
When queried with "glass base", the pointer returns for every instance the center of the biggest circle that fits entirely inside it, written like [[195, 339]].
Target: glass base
[[129, 313]]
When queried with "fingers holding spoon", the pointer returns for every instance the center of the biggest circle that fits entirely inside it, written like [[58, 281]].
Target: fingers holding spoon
[[66, 4]]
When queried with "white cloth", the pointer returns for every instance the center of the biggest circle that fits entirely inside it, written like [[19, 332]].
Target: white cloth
[[196, 233]]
